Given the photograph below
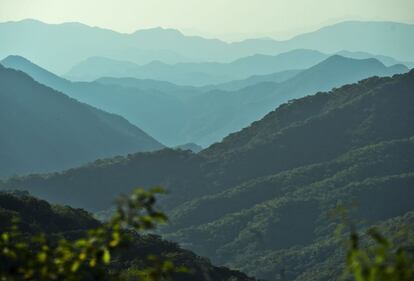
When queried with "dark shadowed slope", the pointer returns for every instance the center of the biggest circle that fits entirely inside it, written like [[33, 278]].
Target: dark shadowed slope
[[38, 216], [146, 106], [44, 130]]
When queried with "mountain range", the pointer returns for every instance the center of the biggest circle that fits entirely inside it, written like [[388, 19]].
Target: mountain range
[[196, 74], [44, 130], [267, 148], [177, 115], [227, 112], [146, 106], [258, 200], [216, 75], [75, 42]]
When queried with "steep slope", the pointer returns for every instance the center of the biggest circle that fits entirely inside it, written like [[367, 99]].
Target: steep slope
[[45, 130], [307, 131], [258, 200], [74, 42], [39, 216], [146, 106], [36, 72], [196, 74]]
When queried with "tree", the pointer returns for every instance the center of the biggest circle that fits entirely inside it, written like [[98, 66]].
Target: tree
[[374, 257], [43, 258]]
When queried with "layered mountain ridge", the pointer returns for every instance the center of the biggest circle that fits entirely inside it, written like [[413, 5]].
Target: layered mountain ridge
[[181, 114], [258, 200], [44, 130], [74, 42]]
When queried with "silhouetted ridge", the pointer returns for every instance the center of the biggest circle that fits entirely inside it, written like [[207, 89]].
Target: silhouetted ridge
[[63, 132]]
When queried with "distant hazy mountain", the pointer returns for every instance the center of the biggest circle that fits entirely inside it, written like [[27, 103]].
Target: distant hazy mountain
[[221, 113], [356, 36], [44, 130], [69, 43], [176, 114], [216, 113], [235, 85], [147, 106], [183, 74], [60, 46], [152, 85], [36, 72], [387, 61], [197, 74]]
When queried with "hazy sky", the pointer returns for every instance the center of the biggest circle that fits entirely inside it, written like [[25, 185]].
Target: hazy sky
[[227, 19]]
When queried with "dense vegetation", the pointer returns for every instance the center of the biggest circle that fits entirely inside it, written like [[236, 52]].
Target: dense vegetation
[[39, 241], [377, 257], [258, 200]]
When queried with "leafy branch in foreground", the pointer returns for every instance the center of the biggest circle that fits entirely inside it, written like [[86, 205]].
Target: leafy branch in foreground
[[374, 257], [42, 257], [383, 261]]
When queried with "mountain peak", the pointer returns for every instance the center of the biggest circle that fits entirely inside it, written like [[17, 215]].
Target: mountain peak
[[338, 59], [29, 21], [159, 31], [23, 64], [20, 63], [16, 58]]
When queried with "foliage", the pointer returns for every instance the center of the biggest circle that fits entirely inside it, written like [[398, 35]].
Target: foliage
[[374, 257], [41, 257], [382, 262]]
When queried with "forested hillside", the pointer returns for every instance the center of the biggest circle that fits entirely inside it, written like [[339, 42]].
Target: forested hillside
[[37, 216], [266, 190], [189, 140]]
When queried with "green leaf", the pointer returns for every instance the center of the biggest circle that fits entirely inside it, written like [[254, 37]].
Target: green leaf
[[106, 257]]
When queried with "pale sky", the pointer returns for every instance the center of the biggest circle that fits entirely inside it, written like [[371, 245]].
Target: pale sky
[[225, 19]]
